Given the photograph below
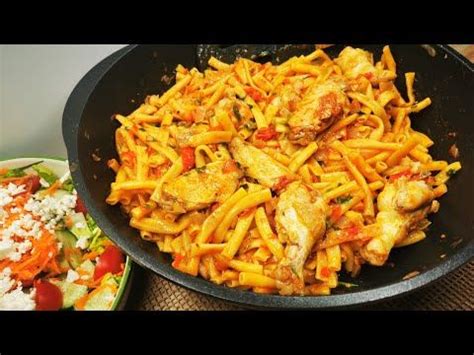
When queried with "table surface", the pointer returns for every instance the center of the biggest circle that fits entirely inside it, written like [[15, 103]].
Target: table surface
[[35, 82]]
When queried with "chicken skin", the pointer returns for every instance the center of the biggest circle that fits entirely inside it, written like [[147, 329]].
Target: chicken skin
[[300, 222], [199, 188], [401, 205], [320, 107], [259, 165]]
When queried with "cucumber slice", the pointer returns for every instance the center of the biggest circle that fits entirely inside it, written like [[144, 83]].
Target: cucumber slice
[[101, 300], [80, 229], [87, 268], [71, 292], [69, 252]]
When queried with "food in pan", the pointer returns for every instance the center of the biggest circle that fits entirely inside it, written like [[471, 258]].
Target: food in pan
[[52, 254], [277, 178]]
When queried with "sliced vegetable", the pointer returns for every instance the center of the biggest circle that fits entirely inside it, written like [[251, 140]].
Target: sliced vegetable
[[266, 134], [68, 185], [86, 269], [48, 297], [110, 261], [101, 298], [71, 292], [69, 251], [45, 173], [79, 227], [80, 206]]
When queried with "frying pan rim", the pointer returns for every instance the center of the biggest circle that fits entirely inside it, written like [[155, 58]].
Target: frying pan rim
[[73, 110]]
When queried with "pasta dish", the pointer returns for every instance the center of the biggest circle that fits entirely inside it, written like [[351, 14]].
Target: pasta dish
[[277, 178]]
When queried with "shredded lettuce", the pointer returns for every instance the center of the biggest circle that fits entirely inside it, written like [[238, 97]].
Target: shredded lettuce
[[68, 185], [98, 239], [45, 173]]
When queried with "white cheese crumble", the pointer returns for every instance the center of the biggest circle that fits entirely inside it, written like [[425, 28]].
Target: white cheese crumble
[[12, 297], [72, 276], [51, 210], [21, 228], [82, 242]]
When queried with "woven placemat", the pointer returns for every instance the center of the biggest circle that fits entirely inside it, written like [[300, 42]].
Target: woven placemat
[[454, 292], [151, 292]]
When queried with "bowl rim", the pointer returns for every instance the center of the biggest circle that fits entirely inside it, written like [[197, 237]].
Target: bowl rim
[[119, 298], [72, 114]]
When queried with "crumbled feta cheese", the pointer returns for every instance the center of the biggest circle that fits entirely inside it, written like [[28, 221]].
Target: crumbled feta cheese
[[12, 297], [5, 282], [82, 242], [72, 276], [60, 245], [51, 210], [80, 225], [6, 247], [18, 300]]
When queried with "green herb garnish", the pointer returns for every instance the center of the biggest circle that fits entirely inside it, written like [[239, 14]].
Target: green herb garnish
[[201, 169], [343, 199], [251, 125], [236, 111]]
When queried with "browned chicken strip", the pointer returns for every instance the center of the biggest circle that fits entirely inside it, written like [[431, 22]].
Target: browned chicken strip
[[401, 205], [199, 188], [259, 165], [319, 108], [300, 222]]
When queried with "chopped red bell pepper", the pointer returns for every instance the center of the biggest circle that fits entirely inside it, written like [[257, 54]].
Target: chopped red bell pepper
[[266, 134], [187, 155], [254, 93]]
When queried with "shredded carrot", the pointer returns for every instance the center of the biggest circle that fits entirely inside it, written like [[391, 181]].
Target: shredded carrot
[[91, 255], [81, 302], [53, 188], [31, 264]]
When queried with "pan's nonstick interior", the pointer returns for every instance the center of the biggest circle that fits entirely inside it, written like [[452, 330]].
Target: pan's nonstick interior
[[121, 82]]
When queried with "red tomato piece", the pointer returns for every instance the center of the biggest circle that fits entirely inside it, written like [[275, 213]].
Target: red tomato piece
[[48, 296], [80, 206], [266, 134], [111, 260], [253, 93]]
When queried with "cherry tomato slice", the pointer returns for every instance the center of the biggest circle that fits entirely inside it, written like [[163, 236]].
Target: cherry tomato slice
[[48, 296], [80, 206], [110, 260]]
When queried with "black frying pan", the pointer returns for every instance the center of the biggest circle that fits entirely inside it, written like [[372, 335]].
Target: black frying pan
[[120, 83]]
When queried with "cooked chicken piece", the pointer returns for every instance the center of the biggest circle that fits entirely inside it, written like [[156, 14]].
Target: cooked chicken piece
[[259, 165], [401, 206], [319, 108], [355, 62], [300, 222], [182, 134], [199, 188]]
